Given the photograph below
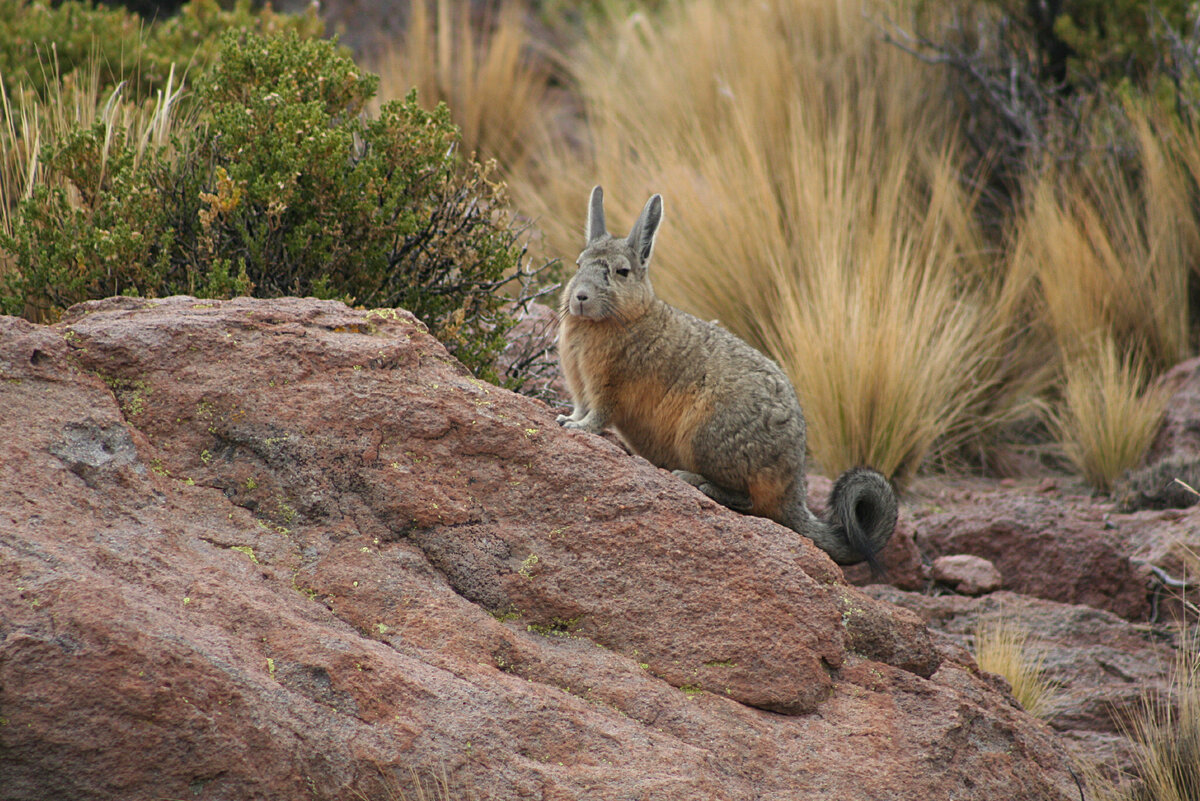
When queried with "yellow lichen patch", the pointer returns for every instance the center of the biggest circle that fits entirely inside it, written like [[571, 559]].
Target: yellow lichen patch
[[246, 549]]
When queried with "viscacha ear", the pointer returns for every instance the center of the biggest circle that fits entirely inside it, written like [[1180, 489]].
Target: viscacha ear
[[595, 218], [641, 238]]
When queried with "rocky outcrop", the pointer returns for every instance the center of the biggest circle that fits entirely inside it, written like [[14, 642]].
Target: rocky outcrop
[[1052, 539], [1042, 545], [1100, 666], [276, 549]]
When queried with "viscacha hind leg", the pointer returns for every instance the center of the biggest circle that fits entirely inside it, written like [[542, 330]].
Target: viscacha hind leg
[[737, 501]]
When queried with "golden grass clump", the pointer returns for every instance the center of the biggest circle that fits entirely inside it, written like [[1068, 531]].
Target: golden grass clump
[[1166, 737], [1109, 414], [1111, 251], [813, 207], [483, 70], [1170, 736], [1002, 647], [431, 786]]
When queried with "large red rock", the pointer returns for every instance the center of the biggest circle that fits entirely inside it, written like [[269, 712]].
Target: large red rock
[[283, 549], [966, 574], [1167, 544]]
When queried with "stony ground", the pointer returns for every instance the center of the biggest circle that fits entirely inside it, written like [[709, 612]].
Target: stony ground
[[264, 549]]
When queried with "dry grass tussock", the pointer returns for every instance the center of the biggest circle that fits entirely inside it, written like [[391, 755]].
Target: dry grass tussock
[[1169, 738], [1166, 736], [1002, 647], [813, 207], [1165, 730], [1109, 414], [434, 786], [482, 70], [1111, 252]]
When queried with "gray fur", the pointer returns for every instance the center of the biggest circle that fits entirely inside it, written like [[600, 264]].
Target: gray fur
[[645, 230], [595, 219], [693, 398]]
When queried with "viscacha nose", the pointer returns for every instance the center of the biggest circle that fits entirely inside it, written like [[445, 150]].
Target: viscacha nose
[[581, 296]]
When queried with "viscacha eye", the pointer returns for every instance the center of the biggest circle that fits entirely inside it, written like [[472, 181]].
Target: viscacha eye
[[622, 271]]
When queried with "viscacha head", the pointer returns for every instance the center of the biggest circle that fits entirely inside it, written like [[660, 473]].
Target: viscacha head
[[612, 281]]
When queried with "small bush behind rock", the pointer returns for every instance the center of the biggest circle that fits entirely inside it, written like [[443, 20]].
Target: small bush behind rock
[[42, 42], [282, 186]]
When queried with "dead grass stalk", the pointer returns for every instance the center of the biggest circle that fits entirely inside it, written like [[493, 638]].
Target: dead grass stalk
[[1111, 250], [483, 70], [32, 126]]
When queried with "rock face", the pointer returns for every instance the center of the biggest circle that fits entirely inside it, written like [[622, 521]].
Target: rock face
[[1042, 546], [1180, 431], [284, 549], [1101, 665]]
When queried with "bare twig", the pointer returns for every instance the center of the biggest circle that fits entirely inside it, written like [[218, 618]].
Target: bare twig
[[1021, 117]]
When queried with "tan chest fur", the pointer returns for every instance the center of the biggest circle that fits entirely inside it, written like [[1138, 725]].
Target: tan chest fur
[[607, 366]]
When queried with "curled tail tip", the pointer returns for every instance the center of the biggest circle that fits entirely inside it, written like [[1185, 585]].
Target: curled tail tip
[[863, 506]]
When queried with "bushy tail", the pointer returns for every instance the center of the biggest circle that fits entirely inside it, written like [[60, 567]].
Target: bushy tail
[[862, 516]]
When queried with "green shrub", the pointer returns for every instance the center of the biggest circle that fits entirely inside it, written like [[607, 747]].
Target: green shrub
[[104, 234], [43, 42], [1116, 42], [1080, 45], [282, 187], [37, 40]]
